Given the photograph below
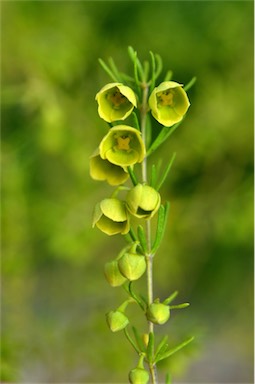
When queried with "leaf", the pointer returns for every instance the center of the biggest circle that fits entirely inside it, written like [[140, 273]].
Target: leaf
[[168, 379], [161, 225], [107, 70], [142, 238], [153, 69], [179, 306], [153, 176], [190, 84], [171, 297], [138, 339], [132, 175], [162, 137], [162, 346], [150, 347], [166, 172], [170, 352], [131, 340]]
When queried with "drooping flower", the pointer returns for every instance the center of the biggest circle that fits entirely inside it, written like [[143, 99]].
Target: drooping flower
[[115, 102], [143, 201], [122, 146], [132, 265], [116, 320], [102, 169], [169, 103], [111, 217], [112, 274], [158, 313]]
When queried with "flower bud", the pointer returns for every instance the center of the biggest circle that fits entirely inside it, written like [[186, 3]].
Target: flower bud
[[116, 320], [102, 169], [115, 102], [132, 266], [112, 274], [169, 103], [111, 217], [158, 313], [143, 201], [139, 376], [122, 146]]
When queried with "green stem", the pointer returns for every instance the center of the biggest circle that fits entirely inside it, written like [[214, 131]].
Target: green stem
[[149, 256]]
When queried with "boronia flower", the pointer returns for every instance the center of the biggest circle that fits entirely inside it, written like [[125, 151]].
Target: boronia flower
[[115, 102], [111, 217], [101, 169], [143, 201], [116, 320], [132, 265], [169, 103], [158, 313], [122, 146]]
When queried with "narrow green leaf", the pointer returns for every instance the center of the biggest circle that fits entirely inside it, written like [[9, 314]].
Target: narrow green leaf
[[142, 237], [146, 70], [171, 297], [107, 70], [138, 339], [162, 137], [168, 76], [114, 69], [190, 84], [150, 348], [136, 121], [168, 378], [132, 176], [160, 228], [134, 296], [159, 64], [132, 234], [162, 346], [173, 350], [153, 176], [166, 172], [131, 340], [153, 69]]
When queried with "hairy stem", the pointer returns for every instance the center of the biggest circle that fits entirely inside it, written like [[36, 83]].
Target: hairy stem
[[149, 256]]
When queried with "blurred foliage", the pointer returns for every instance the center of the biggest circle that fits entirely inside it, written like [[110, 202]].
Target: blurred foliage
[[54, 293]]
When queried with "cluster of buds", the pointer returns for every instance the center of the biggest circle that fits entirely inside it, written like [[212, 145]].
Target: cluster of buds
[[114, 161]]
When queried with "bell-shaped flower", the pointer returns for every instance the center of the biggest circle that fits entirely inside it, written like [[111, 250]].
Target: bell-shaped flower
[[102, 169], [115, 102], [116, 320], [132, 265], [139, 375], [111, 217], [169, 103], [158, 313], [122, 146], [112, 274], [143, 201]]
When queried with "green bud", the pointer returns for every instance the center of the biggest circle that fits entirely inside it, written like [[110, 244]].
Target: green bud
[[132, 266], [111, 217], [158, 313], [102, 169], [139, 376], [169, 103], [116, 320], [143, 201], [115, 102], [122, 146], [112, 274]]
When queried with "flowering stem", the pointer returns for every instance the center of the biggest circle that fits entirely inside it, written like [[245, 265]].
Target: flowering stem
[[149, 255]]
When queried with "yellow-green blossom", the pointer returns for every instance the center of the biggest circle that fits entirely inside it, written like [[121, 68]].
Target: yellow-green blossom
[[132, 265], [122, 146], [143, 201], [115, 102], [112, 274], [116, 320], [169, 103], [111, 217], [158, 313], [102, 169]]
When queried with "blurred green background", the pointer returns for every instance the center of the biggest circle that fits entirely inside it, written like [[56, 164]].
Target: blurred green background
[[54, 292]]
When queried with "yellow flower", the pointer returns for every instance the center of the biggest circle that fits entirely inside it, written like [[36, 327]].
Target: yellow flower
[[111, 217], [169, 103], [143, 201], [102, 169], [122, 146], [115, 102]]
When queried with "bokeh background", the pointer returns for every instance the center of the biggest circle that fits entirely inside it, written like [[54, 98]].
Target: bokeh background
[[54, 292]]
